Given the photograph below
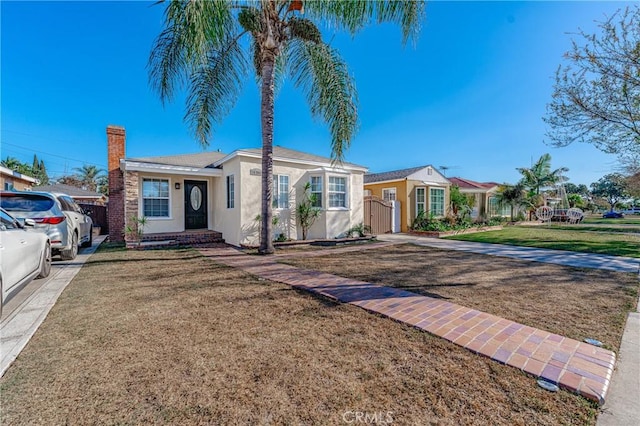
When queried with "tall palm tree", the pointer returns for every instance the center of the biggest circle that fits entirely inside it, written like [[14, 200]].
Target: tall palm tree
[[88, 176], [203, 47], [540, 176]]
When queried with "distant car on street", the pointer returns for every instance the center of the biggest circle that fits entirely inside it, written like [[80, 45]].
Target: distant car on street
[[25, 254], [58, 215], [612, 215]]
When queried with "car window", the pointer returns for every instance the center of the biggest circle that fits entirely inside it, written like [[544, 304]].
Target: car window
[[7, 221], [71, 204], [26, 202], [67, 204]]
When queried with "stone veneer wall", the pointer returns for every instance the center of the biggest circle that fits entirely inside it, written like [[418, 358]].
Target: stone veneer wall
[[131, 199]]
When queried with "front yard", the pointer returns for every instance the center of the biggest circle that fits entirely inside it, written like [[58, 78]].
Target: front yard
[[170, 337]]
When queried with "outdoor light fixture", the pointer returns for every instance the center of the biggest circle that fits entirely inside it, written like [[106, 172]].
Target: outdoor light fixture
[[177, 185]]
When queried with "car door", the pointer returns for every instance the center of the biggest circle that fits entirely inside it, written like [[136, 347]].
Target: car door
[[84, 221], [18, 257]]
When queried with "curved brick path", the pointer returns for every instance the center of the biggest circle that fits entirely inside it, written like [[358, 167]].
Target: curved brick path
[[573, 365]]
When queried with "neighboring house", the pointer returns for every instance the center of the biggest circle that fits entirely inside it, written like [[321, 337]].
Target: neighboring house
[[486, 203], [14, 181], [218, 192], [81, 196], [417, 189]]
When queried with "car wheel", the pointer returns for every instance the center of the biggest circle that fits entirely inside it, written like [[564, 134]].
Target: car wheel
[[45, 267], [88, 243], [72, 252]]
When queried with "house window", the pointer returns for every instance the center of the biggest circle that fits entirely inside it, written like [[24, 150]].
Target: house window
[[420, 200], [231, 192], [8, 186], [337, 191], [389, 194], [436, 201], [155, 197], [316, 191], [280, 192], [498, 209]]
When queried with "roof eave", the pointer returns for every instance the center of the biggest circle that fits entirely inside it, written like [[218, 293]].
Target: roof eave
[[136, 166], [243, 153]]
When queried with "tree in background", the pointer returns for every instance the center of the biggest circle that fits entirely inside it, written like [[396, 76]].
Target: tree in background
[[88, 175], [70, 180], [37, 170], [201, 47], [596, 97], [540, 175], [572, 188], [611, 187], [17, 166]]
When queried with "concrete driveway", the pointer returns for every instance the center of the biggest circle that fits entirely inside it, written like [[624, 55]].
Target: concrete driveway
[[24, 313]]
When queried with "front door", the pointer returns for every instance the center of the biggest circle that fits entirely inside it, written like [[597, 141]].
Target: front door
[[195, 204]]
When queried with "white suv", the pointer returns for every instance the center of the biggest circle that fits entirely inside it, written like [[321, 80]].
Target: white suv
[[58, 215]]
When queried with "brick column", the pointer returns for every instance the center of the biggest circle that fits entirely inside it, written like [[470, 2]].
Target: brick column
[[115, 152]]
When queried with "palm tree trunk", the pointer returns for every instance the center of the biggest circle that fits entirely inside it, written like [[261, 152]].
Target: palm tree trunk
[[267, 112]]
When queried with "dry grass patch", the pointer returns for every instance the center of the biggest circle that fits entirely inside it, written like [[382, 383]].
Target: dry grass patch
[[169, 337], [573, 302]]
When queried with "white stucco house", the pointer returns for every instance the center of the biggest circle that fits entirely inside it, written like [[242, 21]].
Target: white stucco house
[[195, 197]]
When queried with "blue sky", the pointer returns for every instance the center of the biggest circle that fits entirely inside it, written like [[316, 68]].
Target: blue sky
[[470, 95]]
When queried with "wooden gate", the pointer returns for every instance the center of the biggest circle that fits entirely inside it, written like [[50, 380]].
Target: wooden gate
[[98, 215], [377, 215]]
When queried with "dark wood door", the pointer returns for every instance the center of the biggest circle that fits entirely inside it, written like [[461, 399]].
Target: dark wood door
[[195, 204]]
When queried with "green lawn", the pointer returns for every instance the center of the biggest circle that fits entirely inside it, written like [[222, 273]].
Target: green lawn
[[627, 220], [617, 244], [623, 228]]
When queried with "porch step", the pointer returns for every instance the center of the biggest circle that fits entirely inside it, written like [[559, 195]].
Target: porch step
[[188, 238]]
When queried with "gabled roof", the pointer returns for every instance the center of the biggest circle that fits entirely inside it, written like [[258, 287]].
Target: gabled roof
[[471, 184], [286, 154], [69, 190], [426, 174], [197, 163], [201, 159], [392, 175]]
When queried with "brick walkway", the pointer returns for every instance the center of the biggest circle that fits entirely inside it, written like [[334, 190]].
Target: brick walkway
[[573, 365]]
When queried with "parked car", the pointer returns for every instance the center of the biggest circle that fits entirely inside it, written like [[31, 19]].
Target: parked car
[[58, 215], [612, 215], [24, 255]]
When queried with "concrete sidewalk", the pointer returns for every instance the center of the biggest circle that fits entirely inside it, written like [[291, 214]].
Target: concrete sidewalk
[[17, 329], [558, 257]]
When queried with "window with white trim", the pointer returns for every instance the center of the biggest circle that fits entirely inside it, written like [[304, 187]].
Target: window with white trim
[[316, 191], [155, 197], [389, 194], [420, 200], [436, 201], [280, 192], [337, 192], [231, 192]]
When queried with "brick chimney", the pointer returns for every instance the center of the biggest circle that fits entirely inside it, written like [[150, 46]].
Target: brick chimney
[[115, 152]]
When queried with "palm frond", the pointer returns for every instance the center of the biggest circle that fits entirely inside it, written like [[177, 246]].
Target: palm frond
[[353, 15], [191, 30], [324, 78], [214, 89]]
